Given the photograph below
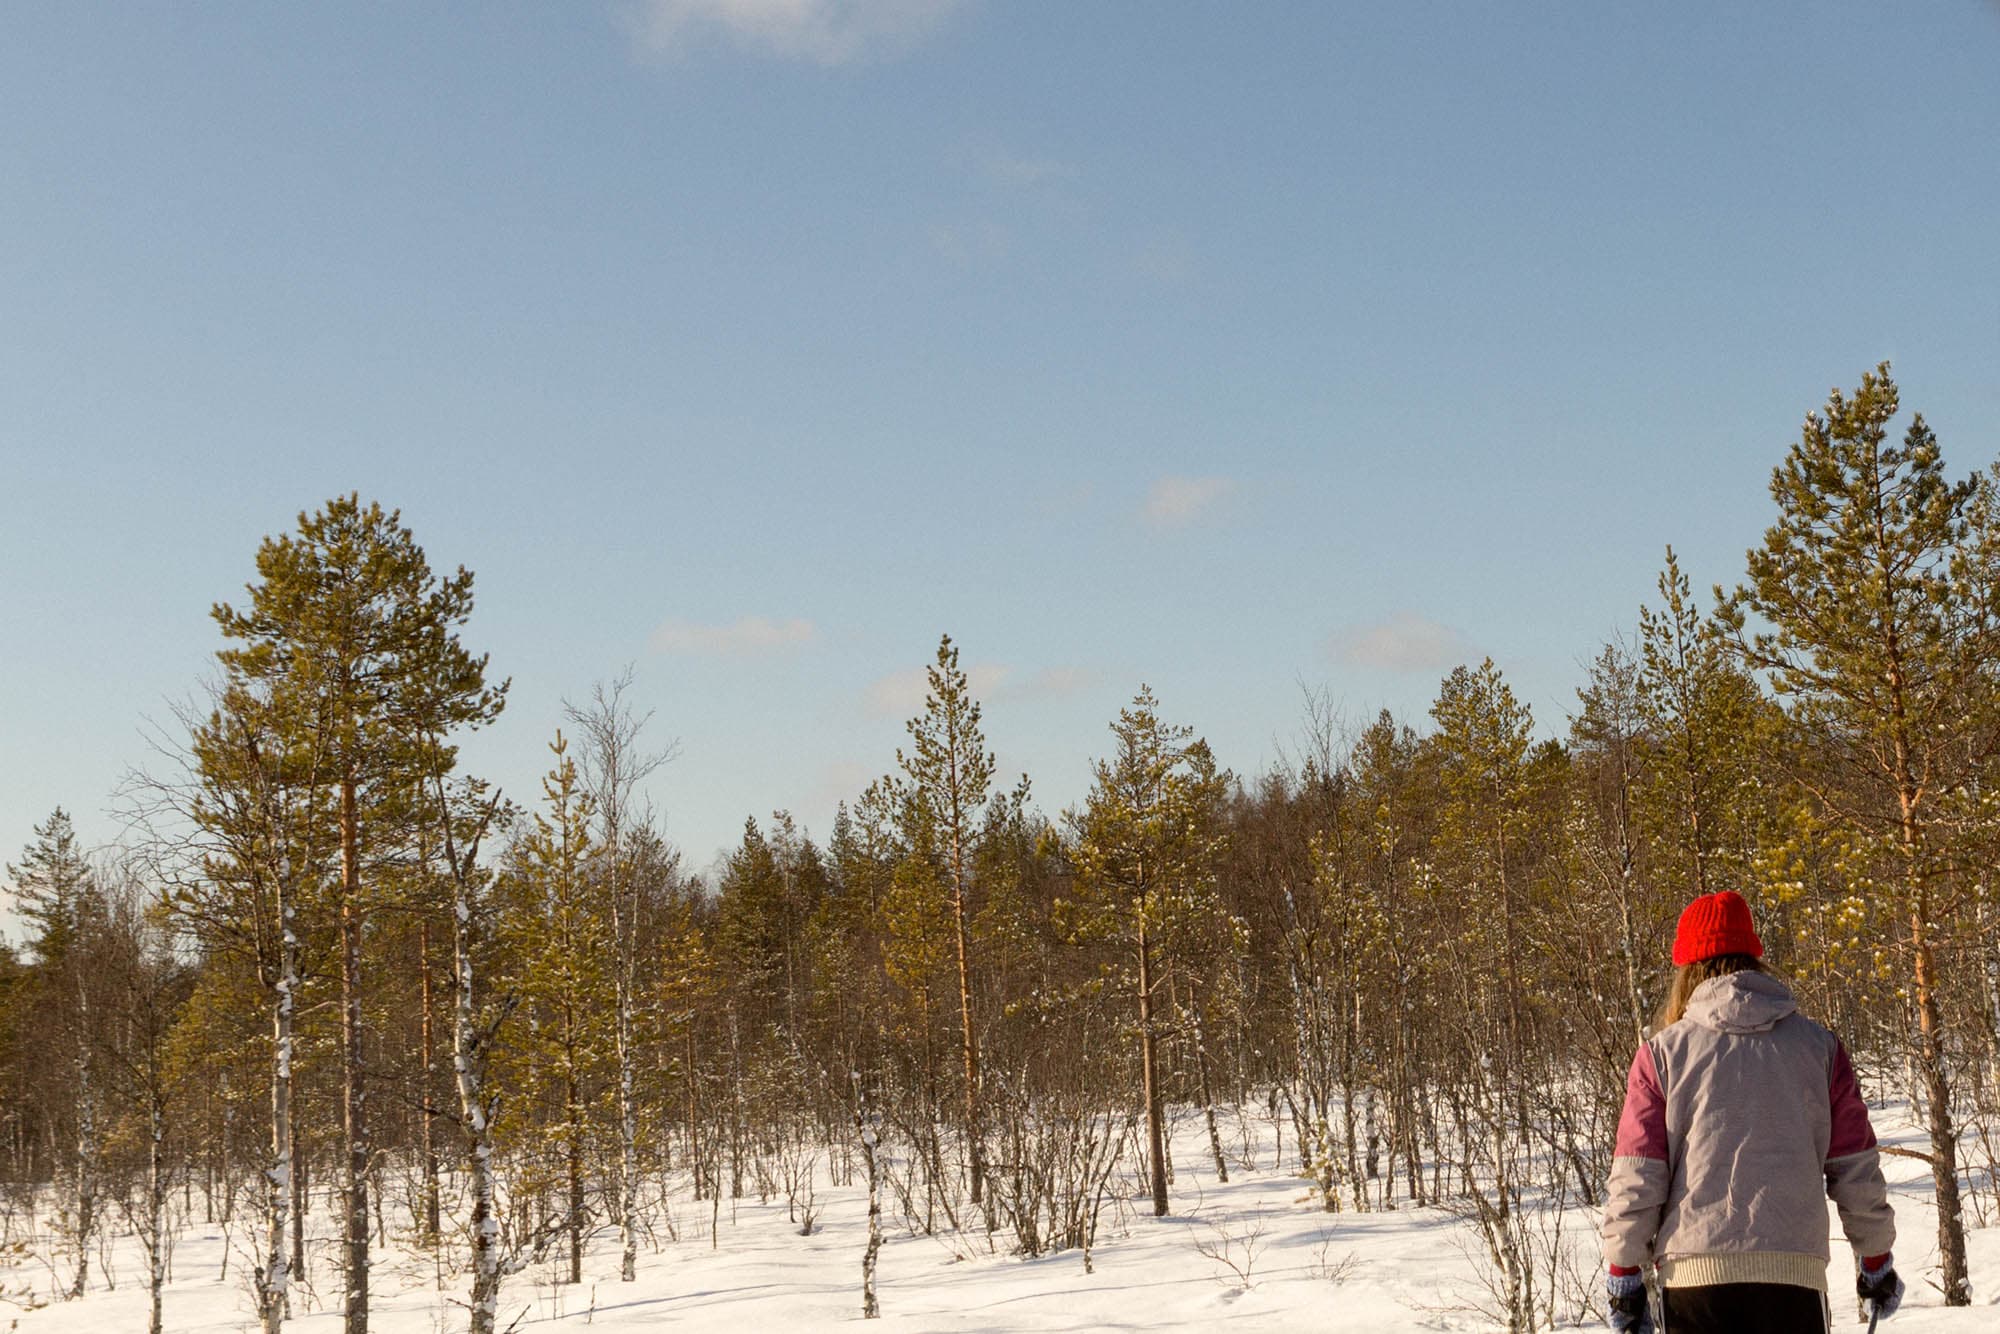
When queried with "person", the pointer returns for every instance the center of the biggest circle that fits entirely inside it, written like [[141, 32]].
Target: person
[[1741, 1116]]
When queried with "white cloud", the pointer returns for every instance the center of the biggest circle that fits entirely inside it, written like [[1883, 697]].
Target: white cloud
[[742, 637], [901, 694], [822, 32], [1406, 642], [1174, 501]]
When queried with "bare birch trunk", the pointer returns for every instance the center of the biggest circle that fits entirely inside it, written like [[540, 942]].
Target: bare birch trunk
[[272, 1279], [864, 1132], [616, 767], [86, 1150], [476, 1110], [156, 1207], [353, 1095]]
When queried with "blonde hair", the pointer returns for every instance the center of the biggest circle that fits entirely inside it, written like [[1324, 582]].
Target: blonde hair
[[1689, 976]]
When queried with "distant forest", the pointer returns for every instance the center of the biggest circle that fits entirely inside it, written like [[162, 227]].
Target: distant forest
[[325, 962]]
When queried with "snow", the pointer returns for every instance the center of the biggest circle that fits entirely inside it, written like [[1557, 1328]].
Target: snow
[[1402, 1270]]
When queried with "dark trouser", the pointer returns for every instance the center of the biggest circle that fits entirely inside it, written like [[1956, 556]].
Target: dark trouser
[[1744, 1308]]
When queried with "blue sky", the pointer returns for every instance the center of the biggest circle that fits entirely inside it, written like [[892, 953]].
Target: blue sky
[[754, 343]]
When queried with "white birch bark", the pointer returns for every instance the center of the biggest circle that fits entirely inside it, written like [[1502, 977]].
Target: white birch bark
[[273, 1278], [156, 1207], [86, 1147], [864, 1132]]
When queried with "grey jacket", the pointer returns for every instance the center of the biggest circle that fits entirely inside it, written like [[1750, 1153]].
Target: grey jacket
[[1739, 1122]]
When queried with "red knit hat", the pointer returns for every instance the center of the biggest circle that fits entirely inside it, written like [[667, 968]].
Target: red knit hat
[[1715, 924]]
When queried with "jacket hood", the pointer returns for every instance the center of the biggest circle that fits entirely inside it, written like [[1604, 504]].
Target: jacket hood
[[1745, 1002]]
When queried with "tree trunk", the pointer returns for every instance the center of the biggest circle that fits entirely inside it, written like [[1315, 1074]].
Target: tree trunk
[[1989, 968], [476, 1109], [864, 1132], [86, 1153], [1943, 1135], [1156, 1142], [428, 1124], [623, 925], [974, 1137], [272, 1280], [156, 1205], [1207, 1094], [573, 1154], [354, 1108], [1953, 1277], [695, 1158]]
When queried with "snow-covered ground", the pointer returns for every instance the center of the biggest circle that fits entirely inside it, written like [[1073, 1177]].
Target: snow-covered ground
[[1411, 1269]]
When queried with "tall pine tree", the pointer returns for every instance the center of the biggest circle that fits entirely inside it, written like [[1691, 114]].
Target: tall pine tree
[[358, 640], [950, 773], [1878, 622]]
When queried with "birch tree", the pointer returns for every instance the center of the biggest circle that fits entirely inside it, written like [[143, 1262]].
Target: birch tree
[[614, 764], [259, 809], [145, 985]]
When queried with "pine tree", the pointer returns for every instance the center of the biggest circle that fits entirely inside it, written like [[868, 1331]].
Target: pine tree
[[66, 909], [55, 889], [950, 772], [1482, 748], [357, 639], [1485, 780], [1611, 748], [1145, 845], [1707, 721], [1883, 626], [562, 941]]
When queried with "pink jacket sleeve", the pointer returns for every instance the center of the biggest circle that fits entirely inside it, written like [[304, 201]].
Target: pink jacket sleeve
[[1637, 1192], [1854, 1164]]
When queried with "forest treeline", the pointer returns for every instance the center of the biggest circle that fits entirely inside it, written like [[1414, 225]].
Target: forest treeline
[[328, 964]]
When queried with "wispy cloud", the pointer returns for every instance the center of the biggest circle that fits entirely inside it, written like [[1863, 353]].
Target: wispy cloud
[[821, 32], [743, 637], [1406, 642], [901, 694], [1175, 501]]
